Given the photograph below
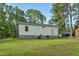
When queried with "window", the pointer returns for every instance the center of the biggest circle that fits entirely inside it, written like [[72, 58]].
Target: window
[[26, 28]]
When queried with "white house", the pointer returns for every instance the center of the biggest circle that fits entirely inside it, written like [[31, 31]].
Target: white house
[[29, 30]]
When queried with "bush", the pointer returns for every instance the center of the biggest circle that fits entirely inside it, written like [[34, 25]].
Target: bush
[[39, 37], [47, 36]]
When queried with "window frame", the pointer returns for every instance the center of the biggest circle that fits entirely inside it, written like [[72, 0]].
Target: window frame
[[26, 28]]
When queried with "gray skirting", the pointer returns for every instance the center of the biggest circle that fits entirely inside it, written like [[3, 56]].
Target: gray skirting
[[38, 36]]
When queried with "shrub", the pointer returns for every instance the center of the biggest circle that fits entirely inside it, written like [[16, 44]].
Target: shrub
[[39, 37], [47, 36]]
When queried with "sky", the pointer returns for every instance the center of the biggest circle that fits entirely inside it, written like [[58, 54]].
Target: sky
[[43, 7]]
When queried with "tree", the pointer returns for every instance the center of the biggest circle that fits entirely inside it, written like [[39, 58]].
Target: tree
[[76, 16], [70, 17], [35, 16], [8, 18], [62, 15], [19, 15], [2, 19], [59, 14]]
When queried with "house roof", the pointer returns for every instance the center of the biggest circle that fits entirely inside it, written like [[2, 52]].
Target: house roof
[[34, 24]]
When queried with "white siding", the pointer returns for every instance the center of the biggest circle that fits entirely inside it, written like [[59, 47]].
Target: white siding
[[37, 30]]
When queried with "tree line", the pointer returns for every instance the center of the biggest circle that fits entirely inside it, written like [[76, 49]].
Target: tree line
[[9, 16], [63, 15]]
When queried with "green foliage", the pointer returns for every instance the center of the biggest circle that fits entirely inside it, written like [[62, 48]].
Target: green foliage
[[59, 14], [76, 15], [63, 15], [9, 16], [19, 15], [35, 16]]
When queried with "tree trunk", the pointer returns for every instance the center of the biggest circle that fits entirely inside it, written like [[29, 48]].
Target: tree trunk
[[70, 16]]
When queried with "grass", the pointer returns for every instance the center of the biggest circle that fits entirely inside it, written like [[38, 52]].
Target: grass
[[37, 47]]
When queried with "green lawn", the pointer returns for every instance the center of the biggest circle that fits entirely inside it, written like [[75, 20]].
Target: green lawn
[[39, 47]]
